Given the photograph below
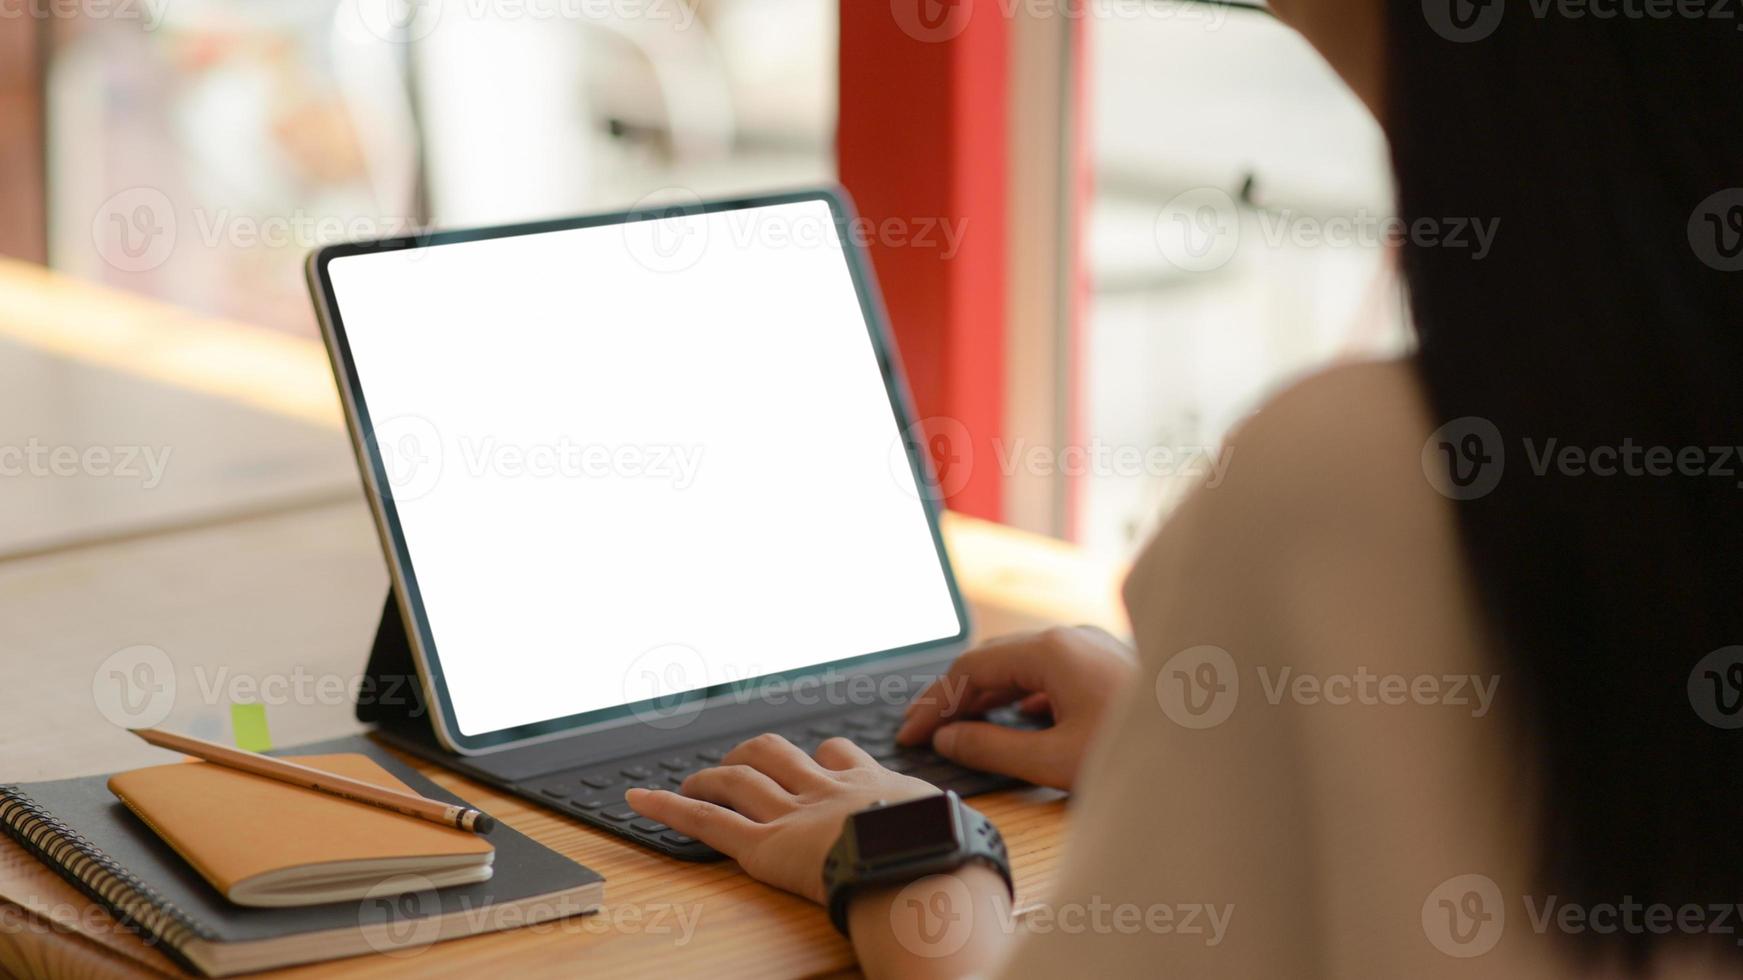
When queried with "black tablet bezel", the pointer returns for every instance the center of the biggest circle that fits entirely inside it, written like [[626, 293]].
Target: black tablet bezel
[[376, 485]]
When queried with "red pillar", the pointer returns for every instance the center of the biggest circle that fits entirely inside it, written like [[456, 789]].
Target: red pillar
[[923, 139]]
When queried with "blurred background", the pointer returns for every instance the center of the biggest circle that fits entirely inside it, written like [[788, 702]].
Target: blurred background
[[1170, 207]]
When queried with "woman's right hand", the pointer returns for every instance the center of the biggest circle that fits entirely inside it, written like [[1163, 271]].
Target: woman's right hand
[[1073, 672]]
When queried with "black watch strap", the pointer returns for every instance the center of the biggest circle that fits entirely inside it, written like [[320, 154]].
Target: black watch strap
[[844, 875]]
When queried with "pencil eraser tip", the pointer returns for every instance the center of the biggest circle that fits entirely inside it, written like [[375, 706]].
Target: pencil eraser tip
[[484, 824]]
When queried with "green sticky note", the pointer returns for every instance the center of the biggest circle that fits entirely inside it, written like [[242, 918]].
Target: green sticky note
[[248, 725]]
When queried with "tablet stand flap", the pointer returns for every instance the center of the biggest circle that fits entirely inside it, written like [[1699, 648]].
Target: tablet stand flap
[[391, 693]]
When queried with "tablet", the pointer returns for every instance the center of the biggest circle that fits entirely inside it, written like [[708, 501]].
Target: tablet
[[627, 459]]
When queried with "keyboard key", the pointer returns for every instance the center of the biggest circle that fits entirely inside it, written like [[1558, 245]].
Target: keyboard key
[[587, 803], [973, 783], [882, 750], [712, 754], [937, 775], [677, 778], [599, 781], [825, 730], [647, 826], [676, 763], [619, 813], [635, 772], [676, 838], [556, 792], [864, 721]]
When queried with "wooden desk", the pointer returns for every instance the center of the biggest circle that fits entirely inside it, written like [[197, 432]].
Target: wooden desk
[[258, 557]]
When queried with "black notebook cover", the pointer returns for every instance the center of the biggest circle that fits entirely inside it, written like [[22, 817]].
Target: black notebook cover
[[524, 868]]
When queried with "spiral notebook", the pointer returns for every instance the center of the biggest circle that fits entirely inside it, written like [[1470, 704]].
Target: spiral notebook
[[79, 829]]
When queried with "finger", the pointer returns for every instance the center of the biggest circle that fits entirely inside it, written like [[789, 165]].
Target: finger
[[994, 748], [741, 788], [925, 703], [947, 697], [979, 704], [1106, 636], [955, 694], [732, 834], [781, 760], [1000, 669], [983, 702], [839, 753], [943, 684]]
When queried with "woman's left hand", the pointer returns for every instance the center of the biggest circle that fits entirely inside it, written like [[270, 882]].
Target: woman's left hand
[[786, 808]]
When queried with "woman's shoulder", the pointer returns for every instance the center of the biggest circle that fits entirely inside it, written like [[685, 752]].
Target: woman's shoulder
[[1333, 460], [1314, 641], [1347, 436], [1326, 531]]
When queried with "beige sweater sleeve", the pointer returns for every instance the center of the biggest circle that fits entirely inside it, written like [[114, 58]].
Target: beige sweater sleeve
[[1254, 808], [1185, 852]]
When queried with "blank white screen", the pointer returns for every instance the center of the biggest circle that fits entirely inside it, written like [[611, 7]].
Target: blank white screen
[[526, 389]]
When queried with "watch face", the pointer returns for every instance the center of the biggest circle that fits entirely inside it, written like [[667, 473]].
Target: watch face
[[906, 830]]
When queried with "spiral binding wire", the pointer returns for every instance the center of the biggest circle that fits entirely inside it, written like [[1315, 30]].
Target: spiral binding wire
[[96, 873]]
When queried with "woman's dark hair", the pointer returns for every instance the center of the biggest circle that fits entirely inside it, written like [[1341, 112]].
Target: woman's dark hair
[[1608, 315]]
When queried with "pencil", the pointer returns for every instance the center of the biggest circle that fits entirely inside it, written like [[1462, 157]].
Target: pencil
[[355, 790]]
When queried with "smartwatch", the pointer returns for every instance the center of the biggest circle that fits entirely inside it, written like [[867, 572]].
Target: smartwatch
[[895, 843]]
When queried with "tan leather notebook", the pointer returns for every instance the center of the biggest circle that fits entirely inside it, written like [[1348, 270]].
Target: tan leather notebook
[[269, 844]]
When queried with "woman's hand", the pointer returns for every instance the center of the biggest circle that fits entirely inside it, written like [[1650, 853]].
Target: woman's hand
[[789, 806], [778, 811], [1074, 672]]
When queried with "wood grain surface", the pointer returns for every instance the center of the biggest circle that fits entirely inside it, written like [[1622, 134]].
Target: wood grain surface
[[258, 559]]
